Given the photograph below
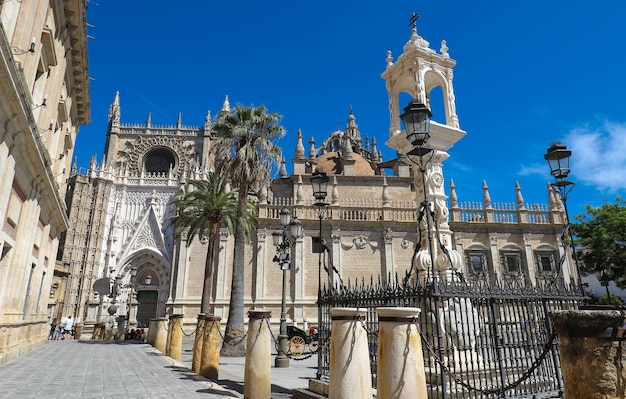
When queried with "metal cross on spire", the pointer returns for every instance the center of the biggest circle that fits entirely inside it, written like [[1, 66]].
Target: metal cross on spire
[[413, 20]]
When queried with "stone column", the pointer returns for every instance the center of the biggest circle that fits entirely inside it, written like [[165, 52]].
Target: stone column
[[350, 374], [160, 334], [198, 340], [210, 358], [257, 382], [132, 312], [121, 327], [400, 373], [175, 344], [592, 353]]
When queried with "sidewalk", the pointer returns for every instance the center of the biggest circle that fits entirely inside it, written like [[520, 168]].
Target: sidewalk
[[123, 369]]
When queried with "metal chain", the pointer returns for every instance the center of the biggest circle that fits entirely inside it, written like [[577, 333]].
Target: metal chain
[[191, 333], [497, 391], [224, 339], [300, 358], [276, 343]]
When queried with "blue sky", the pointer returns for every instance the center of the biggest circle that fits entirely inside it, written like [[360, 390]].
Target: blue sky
[[528, 73]]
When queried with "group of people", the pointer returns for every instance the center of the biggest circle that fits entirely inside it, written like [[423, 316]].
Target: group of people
[[63, 330], [135, 335]]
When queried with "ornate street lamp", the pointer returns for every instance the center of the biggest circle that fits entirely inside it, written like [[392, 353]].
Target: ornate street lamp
[[558, 157], [319, 183], [284, 240], [416, 119]]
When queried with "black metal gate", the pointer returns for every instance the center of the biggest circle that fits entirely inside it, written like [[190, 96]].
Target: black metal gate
[[480, 338]]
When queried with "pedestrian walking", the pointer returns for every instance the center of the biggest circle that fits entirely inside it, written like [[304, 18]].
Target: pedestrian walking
[[67, 331], [53, 327]]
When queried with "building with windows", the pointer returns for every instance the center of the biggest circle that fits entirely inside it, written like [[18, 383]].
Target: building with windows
[[44, 86], [371, 225]]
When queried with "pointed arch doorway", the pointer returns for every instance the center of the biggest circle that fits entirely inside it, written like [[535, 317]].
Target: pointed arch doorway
[[152, 284]]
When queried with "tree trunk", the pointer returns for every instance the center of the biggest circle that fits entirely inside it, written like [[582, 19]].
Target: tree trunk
[[205, 306], [235, 327]]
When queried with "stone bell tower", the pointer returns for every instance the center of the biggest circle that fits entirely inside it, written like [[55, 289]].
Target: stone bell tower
[[417, 71]]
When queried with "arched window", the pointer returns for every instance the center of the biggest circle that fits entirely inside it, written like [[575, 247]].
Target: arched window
[[159, 160]]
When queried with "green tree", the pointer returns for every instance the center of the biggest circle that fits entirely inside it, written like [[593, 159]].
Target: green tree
[[615, 300], [203, 209], [245, 150], [601, 240]]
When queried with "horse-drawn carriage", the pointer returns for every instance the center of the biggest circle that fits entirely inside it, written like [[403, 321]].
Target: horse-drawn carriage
[[299, 340]]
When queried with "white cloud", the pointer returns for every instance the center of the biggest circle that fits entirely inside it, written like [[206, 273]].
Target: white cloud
[[599, 155], [534, 169]]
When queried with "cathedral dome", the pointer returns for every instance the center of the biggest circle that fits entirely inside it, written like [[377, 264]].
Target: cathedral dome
[[332, 164]]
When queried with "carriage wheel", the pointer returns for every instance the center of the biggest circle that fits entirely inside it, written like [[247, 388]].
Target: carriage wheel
[[314, 345], [296, 345]]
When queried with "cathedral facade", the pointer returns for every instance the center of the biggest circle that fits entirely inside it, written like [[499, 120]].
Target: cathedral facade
[[371, 225]]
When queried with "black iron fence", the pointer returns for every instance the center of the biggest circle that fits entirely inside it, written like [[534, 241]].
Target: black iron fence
[[480, 338]]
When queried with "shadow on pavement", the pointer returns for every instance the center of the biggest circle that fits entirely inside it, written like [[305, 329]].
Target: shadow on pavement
[[111, 342], [226, 384]]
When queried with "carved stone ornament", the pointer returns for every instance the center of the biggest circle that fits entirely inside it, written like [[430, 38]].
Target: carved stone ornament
[[388, 235], [336, 236], [437, 179], [360, 242], [405, 244], [135, 151]]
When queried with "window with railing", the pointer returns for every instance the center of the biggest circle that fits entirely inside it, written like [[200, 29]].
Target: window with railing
[[512, 262], [546, 261], [478, 262]]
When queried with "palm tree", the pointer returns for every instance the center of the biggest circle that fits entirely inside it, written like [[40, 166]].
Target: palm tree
[[204, 208], [244, 149]]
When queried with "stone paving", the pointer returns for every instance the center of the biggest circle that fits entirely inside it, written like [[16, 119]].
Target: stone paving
[[123, 369]]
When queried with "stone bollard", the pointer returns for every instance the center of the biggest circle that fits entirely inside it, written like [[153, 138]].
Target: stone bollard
[[175, 341], [121, 327], [592, 353], [160, 334], [198, 340], [257, 380], [350, 373], [400, 373], [152, 328], [210, 357]]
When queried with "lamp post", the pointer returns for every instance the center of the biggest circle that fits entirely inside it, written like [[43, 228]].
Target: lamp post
[[558, 157], [604, 281], [416, 119], [319, 183], [284, 240]]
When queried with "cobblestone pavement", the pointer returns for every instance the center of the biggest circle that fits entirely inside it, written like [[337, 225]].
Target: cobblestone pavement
[[119, 369]]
